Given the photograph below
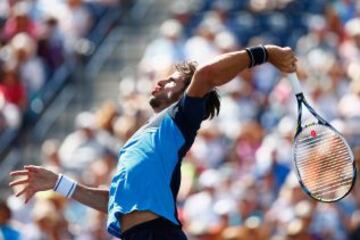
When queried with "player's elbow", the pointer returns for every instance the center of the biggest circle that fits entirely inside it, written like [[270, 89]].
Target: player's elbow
[[206, 75]]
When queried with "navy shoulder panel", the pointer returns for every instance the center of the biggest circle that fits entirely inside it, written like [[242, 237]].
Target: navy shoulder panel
[[188, 113]]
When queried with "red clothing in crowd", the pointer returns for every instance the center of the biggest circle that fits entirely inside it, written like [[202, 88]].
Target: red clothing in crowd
[[13, 26], [14, 93]]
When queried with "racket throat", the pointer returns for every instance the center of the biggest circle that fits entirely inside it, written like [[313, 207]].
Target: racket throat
[[299, 97], [300, 100]]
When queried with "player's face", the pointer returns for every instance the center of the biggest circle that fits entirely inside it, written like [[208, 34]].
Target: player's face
[[166, 91]]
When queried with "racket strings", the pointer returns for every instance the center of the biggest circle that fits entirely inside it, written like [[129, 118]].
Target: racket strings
[[328, 180], [324, 162], [317, 159], [324, 140], [312, 172], [327, 187], [306, 155], [316, 136], [332, 175], [327, 176], [334, 192]]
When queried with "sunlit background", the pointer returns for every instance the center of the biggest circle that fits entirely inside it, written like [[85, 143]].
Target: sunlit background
[[76, 75]]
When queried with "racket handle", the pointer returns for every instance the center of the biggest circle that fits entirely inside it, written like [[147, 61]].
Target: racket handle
[[295, 84]]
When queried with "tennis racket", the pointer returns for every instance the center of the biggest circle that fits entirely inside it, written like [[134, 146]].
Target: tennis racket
[[323, 160]]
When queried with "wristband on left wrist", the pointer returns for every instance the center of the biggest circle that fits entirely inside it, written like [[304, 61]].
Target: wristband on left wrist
[[65, 186]]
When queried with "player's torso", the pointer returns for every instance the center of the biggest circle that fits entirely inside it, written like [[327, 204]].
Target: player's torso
[[153, 149]]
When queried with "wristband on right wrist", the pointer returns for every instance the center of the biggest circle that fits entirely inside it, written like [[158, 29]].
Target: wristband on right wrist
[[257, 55], [65, 186]]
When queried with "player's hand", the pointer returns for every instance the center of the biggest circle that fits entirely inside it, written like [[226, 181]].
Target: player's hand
[[282, 58], [32, 180]]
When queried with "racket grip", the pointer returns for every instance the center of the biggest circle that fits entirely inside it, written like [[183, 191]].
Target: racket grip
[[295, 84]]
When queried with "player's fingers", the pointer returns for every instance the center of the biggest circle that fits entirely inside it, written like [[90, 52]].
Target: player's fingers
[[290, 53], [19, 173], [289, 57], [286, 64], [289, 64], [21, 192], [32, 168], [289, 68], [293, 58], [18, 182], [29, 196], [288, 49]]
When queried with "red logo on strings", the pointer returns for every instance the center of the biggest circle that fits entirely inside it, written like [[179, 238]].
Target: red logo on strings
[[313, 133]]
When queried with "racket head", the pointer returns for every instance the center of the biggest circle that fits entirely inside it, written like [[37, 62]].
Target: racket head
[[324, 162]]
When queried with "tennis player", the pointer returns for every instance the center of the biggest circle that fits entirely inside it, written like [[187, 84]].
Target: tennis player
[[141, 201]]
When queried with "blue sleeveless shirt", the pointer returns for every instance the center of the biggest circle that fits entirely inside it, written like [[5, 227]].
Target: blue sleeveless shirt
[[148, 172]]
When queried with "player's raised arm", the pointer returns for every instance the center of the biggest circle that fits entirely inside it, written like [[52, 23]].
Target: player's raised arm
[[225, 67], [34, 179]]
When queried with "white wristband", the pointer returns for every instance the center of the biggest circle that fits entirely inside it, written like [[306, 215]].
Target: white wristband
[[65, 186]]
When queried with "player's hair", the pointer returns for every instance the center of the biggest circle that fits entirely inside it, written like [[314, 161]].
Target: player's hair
[[187, 69]]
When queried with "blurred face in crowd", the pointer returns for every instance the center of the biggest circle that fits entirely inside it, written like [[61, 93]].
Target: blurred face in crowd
[[22, 55], [5, 213], [22, 23], [10, 77], [356, 39], [167, 91], [74, 3]]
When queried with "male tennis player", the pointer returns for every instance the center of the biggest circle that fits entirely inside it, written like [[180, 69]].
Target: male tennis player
[[141, 201]]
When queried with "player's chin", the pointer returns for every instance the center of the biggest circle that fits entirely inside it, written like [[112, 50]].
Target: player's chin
[[154, 102]]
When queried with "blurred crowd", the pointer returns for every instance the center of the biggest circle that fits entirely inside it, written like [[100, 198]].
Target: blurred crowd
[[237, 179], [36, 38]]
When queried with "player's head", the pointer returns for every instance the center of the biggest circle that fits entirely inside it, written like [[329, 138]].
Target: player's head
[[169, 90]]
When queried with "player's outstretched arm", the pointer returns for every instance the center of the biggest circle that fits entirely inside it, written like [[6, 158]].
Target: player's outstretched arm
[[34, 179], [225, 67]]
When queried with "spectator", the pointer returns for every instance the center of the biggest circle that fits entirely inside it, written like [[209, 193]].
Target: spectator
[[12, 87], [20, 22], [355, 226], [50, 154], [74, 21], [202, 46], [82, 146], [201, 219], [51, 45], [350, 48], [95, 228], [31, 68], [7, 232], [209, 149], [166, 49], [10, 115], [105, 118], [48, 222]]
